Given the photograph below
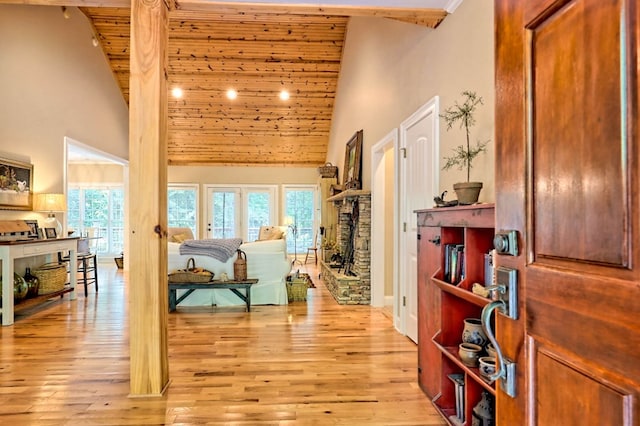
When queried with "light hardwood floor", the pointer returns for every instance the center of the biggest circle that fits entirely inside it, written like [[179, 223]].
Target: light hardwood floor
[[313, 363]]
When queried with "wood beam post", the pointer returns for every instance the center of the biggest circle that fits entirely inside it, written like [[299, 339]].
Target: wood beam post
[[148, 303]]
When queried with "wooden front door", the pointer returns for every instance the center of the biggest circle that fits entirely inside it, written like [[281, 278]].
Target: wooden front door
[[567, 181]]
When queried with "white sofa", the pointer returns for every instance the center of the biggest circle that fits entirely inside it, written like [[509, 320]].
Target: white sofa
[[266, 260]]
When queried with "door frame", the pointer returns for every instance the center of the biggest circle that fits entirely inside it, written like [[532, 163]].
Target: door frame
[[431, 107], [242, 191], [378, 218]]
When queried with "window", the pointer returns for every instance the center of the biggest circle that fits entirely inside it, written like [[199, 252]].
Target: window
[[182, 207], [300, 208], [98, 211], [258, 212]]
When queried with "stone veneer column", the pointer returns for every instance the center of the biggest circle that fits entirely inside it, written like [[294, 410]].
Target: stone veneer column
[[362, 255], [349, 289]]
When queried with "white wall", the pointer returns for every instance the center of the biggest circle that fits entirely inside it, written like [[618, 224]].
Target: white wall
[[390, 69], [104, 174], [242, 175], [55, 83]]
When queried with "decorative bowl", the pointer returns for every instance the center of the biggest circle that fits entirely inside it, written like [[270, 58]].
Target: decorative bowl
[[469, 353]]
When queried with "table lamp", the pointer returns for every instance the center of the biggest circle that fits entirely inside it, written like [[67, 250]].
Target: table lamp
[[50, 203]]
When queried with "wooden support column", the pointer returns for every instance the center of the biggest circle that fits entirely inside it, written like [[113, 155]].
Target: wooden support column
[[148, 292]]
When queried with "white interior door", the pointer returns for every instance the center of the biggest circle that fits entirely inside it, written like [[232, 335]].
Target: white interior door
[[418, 165]]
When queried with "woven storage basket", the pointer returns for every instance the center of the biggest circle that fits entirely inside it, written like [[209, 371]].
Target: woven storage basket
[[52, 277], [328, 170], [191, 274], [297, 289]]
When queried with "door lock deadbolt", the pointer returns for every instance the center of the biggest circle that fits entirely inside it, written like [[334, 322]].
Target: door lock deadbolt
[[506, 242]]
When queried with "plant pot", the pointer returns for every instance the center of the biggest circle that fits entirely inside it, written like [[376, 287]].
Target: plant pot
[[467, 192]]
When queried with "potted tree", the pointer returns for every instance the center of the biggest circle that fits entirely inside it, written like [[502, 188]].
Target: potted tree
[[464, 155]]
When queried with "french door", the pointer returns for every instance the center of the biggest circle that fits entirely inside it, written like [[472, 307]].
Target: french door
[[240, 211]]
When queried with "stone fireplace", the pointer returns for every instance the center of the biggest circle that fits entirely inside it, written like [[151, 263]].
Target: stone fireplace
[[351, 284]]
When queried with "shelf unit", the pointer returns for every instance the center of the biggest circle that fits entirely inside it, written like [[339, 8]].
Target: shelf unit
[[442, 307], [32, 302]]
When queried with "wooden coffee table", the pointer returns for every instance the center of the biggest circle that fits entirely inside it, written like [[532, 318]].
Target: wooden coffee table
[[234, 286]]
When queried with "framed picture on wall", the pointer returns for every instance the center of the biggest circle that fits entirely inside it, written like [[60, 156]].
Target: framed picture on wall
[[351, 178], [16, 181]]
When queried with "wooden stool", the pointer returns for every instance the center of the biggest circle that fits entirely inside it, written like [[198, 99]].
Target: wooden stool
[[88, 267]]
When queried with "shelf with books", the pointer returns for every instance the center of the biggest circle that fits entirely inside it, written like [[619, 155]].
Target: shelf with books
[[450, 261]]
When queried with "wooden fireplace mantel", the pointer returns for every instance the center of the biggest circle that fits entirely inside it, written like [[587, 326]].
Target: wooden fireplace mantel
[[349, 193]]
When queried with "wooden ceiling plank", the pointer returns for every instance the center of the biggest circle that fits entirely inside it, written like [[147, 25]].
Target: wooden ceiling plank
[[256, 49]]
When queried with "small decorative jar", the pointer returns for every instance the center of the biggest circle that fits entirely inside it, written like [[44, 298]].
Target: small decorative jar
[[33, 283], [491, 351], [487, 366], [469, 354], [473, 333], [20, 288]]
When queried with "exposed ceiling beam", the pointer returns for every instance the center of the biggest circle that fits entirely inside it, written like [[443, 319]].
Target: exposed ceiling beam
[[429, 17]]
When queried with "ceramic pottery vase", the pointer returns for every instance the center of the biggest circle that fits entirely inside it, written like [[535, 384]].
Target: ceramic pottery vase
[[483, 412], [33, 283], [491, 351], [473, 333], [487, 366], [469, 354]]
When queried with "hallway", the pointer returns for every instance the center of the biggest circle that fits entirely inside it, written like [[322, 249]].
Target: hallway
[[306, 363]]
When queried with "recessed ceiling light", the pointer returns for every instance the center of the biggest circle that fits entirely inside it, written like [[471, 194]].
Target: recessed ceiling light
[[284, 95], [232, 94], [176, 92]]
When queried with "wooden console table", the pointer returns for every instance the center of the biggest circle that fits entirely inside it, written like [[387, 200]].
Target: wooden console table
[[12, 250], [191, 287]]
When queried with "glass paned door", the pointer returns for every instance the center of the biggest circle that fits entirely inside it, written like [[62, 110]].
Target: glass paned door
[[300, 210], [239, 212], [224, 213]]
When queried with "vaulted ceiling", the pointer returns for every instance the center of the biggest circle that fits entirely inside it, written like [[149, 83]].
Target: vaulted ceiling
[[258, 51]]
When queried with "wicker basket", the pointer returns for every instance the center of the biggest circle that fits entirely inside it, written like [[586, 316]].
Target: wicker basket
[[119, 262], [328, 170], [297, 289], [52, 277], [191, 274]]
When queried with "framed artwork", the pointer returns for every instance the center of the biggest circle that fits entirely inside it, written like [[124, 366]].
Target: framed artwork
[[351, 178], [33, 224], [16, 181], [50, 233]]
